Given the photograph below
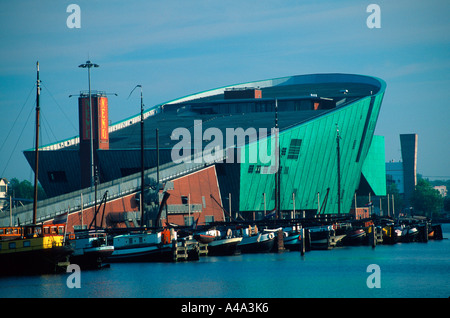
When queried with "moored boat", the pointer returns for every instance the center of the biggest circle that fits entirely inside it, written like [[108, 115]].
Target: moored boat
[[204, 238], [33, 249], [355, 237], [223, 244], [256, 242], [143, 246], [410, 234], [320, 237], [91, 248], [292, 237]]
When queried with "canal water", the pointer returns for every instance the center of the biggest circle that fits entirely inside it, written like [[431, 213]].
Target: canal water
[[406, 270]]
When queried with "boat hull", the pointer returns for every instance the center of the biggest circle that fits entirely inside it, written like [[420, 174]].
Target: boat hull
[[224, 247], [320, 238], [261, 243], [150, 253], [293, 242], [42, 261], [355, 237], [94, 257]]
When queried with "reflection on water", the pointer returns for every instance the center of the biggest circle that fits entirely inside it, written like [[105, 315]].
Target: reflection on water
[[407, 270]]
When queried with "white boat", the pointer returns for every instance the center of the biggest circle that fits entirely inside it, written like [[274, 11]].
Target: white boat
[[143, 246], [91, 248]]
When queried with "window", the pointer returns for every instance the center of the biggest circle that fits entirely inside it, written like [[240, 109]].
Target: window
[[209, 219], [283, 151], [26, 244], [258, 169], [184, 199], [188, 221], [57, 176], [294, 148], [12, 245], [251, 168]]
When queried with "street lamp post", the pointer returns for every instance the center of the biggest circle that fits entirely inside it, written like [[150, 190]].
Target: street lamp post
[[141, 200], [88, 65]]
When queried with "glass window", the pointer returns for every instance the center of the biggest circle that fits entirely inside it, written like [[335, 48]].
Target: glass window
[[294, 148]]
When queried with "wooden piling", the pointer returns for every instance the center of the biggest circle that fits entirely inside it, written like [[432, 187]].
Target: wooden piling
[[202, 249], [280, 241], [179, 252], [372, 236], [303, 242], [379, 235]]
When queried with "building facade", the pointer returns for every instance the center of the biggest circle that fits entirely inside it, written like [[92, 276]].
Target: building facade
[[322, 150]]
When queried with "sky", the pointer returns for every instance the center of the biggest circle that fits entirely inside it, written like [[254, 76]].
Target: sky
[[175, 48]]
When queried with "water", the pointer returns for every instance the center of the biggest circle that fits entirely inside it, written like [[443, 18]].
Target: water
[[406, 270]]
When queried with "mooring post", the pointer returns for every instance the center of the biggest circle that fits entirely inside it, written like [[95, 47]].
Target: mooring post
[[372, 236], [174, 250], [280, 241], [303, 242], [425, 234]]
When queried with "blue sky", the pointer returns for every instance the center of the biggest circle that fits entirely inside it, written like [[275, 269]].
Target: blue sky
[[175, 48]]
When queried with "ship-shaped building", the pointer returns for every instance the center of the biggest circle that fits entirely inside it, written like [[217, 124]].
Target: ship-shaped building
[[297, 144]]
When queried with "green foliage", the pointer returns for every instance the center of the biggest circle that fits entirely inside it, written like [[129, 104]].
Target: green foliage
[[447, 203], [24, 189], [426, 200]]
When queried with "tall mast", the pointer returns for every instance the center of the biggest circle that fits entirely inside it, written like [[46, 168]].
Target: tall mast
[[278, 173], [36, 152], [142, 160], [338, 168], [141, 199]]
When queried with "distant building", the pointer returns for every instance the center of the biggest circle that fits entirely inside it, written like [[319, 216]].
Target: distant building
[[3, 192], [404, 173], [394, 175], [442, 190]]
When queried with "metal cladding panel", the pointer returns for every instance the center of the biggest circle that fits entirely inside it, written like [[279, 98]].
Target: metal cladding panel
[[59, 171], [118, 163], [199, 187], [374, 167], [314, 170]]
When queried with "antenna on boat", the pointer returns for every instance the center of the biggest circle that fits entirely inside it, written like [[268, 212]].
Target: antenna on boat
[[36, 156]]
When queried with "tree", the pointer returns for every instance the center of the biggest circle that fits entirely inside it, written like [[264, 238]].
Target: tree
[[447, 203], [24, 189], [426, 200]]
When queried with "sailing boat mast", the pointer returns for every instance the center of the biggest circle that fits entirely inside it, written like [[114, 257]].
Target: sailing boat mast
[[277, 154], [338, 137], [36, 152], [142, 160]]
